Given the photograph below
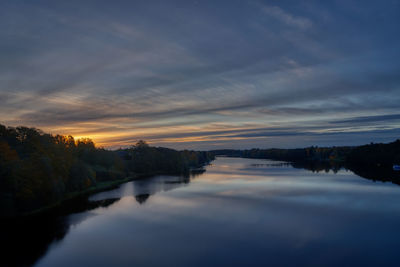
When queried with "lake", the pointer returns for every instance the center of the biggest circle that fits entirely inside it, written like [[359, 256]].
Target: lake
[[240, 212]]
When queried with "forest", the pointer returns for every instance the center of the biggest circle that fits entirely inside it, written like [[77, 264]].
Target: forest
[[371, 154], [371, 161], [294, 155], [39, 170]]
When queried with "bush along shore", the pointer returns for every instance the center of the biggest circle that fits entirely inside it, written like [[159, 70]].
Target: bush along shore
[[38, 171]]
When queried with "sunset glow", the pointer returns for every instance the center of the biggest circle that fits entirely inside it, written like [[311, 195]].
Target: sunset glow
[[202, 75]]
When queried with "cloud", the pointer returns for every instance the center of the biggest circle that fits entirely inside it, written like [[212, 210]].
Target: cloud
[[121, 72], [377, 118], [287, 18]]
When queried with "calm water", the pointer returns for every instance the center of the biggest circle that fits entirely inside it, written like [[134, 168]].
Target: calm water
[[240, 212]]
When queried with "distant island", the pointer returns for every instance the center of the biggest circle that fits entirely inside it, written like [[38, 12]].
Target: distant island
[[38, 171]]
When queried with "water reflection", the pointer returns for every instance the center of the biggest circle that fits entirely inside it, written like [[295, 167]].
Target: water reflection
[[375, 173], [240, 212], [34, 235], [144, 188]]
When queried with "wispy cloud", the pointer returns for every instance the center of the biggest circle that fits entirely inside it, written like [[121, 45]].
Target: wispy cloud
[[195, 74], [287, 18]]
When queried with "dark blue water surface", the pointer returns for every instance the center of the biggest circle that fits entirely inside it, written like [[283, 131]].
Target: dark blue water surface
[[240, 212]]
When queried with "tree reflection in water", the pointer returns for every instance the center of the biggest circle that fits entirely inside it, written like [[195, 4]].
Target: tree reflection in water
[[27, 239]]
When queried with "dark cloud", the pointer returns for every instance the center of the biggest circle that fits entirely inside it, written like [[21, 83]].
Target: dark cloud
[[369, 119]]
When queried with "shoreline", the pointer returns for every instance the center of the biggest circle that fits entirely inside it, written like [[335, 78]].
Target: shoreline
[[99, 187]]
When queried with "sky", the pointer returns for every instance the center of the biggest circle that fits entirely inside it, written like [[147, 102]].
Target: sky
[[203, 74]]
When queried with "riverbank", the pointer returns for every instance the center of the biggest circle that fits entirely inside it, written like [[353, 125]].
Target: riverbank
[[371, 156], [99, 187]]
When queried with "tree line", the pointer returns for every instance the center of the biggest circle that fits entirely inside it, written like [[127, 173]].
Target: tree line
[[38, 169], [384, 155], [313, 153]]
